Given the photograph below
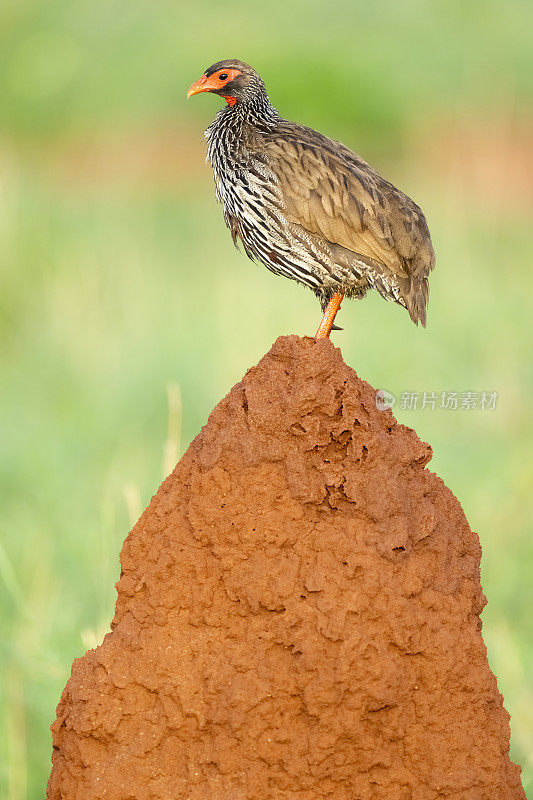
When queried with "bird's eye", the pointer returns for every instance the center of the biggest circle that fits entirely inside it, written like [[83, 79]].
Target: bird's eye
[[223, 77]]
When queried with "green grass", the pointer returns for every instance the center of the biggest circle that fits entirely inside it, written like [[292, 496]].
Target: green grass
[[120, 281]]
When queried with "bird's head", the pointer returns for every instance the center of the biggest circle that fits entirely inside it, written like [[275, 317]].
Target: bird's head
[[233, 80]]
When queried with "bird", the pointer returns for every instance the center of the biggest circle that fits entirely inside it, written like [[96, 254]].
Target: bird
[[307, 207]]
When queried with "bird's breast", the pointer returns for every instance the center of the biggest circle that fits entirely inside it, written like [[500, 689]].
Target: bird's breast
[[248, 190]]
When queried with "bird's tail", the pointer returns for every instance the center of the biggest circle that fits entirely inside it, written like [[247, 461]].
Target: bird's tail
[[416, 299]]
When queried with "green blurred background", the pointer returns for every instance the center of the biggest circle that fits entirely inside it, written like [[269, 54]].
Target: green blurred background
[[126, 314]]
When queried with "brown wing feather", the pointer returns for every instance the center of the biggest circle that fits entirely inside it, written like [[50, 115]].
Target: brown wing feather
[[331, 192]]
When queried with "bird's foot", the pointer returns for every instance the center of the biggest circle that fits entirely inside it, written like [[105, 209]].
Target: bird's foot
[[326, 325]]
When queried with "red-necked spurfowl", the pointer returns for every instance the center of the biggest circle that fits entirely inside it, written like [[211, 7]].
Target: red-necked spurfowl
[[309, 208]]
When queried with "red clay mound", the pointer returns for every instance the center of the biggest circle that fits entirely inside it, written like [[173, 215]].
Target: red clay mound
[[297, 616]]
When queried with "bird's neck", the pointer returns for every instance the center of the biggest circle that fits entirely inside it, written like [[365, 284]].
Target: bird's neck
[[258, 111], [226, 132]]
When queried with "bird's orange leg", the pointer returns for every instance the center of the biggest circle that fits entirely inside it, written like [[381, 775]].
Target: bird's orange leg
[[324, 329]]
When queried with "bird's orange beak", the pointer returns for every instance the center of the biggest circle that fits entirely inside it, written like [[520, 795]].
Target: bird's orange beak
[[213, 83], [203, 84]]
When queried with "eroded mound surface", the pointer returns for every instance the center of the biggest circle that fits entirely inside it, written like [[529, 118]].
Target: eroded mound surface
[[297, 616]]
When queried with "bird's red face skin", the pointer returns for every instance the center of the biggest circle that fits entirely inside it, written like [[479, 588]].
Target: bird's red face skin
[[214, 83]]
